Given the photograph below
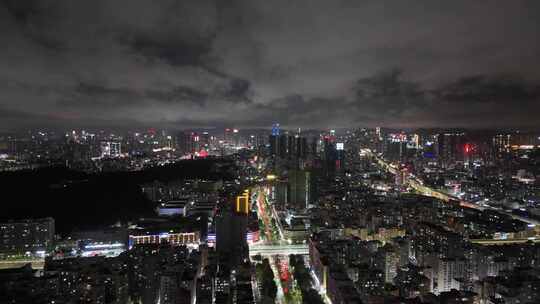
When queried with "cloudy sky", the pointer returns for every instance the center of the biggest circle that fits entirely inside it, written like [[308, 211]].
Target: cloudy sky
[[248, 63]]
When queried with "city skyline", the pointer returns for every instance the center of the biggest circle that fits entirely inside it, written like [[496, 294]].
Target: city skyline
[[368, 215], [315, 64], [270, 152]]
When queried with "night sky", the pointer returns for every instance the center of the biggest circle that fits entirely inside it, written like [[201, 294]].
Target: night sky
[[249, 63]]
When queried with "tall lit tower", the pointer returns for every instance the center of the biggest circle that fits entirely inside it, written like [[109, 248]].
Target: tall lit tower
[[275, 129]]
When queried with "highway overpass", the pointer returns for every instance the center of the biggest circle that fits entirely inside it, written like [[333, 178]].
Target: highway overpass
[[491, 242], [284, 249]]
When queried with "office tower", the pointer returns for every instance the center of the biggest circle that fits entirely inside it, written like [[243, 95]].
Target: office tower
[[227, 135], [301, 147], [291, 146], [274, 145], [205, 140], [260, 142], [282, 146], [299, 189], [280, 191], [312, 149], [287, 147], [450, 148], [275, 129], [330, 158], [185, 142], [236, 137]]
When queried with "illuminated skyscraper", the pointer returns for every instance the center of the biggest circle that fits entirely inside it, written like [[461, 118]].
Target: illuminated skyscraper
[[110, 149], [275, 129]]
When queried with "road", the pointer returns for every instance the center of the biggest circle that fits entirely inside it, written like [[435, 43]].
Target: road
[[274, 246], [418, 185], [503, 242], [280, 293], [36, 263], [264, 214], [279, 249]]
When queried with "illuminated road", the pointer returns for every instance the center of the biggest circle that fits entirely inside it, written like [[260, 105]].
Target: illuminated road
[[36, 264], [280, 298], [316, 284], [274, 247], [418, 185], [263, 214], [503, 242], [276, 218], [267, 249]]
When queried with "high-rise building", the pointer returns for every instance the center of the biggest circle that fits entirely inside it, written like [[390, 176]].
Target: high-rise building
[[387, 261], [275, 129], [110, 149], [185, 142], [299, 188], [449, 271], [291, 146], [205, 140], [227, 135], [279, 192], [287, 146], [273, 140], [26, 236], [236, 137], [282, 146], [231, 229], [513, 141], [450, 147], [301, 147], [330, 158]]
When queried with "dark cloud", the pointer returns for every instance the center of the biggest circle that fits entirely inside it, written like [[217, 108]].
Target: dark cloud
[[314, 63], [485, 88], [92, 95], [95, 95], [387, 99], [388, 94]]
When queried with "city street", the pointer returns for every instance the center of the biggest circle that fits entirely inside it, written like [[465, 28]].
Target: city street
[[274, 246]]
